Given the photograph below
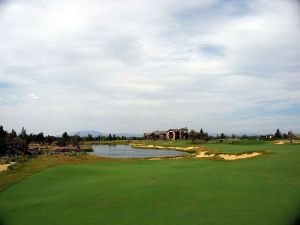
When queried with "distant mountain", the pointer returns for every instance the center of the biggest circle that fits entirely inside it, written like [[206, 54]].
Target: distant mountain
[[239, 134], [85, 133], [127, 134], [94, 133]]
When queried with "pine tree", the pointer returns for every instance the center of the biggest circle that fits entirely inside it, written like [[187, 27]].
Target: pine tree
[[278, 134]]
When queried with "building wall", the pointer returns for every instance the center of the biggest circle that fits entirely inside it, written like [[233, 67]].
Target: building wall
[[171, 135]]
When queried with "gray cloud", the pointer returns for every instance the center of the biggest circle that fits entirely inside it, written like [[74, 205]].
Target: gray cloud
[[141, 65]]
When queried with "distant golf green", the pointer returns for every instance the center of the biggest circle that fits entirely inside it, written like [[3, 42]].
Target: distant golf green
[[264, 190]]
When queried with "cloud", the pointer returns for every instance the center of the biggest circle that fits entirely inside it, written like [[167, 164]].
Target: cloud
[[34, 97], [212, 50], [143, 65]]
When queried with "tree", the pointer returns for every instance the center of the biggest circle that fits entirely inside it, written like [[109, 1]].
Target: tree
[[17, 146], [13, 133], [202, 135], [89, 137], [49, 139], [193, 135], [278, 134], [285, 136], [23, 135], [75, 141], [40, 138], [222, 136], [3, 135], [10, 144], [64, 140], [291, 136]]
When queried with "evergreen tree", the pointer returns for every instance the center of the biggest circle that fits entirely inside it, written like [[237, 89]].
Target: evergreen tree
[[193, 135], [285, 136], [13, 133], [23, 135], [3, 135], [201, 134], [291, 136], [278, 134], [89, 137], [222, 136], [75, 141], [40, 138], [64, 140]]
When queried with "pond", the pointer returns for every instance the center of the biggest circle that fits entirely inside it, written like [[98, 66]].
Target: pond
[[126, 151]]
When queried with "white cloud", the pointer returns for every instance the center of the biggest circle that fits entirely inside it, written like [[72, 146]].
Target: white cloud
[[142, 65], [34, 97]]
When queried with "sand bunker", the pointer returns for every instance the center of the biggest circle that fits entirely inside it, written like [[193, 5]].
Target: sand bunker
[[178, 157], [201, 153], [205, 154], [4, 167], [241, 156]]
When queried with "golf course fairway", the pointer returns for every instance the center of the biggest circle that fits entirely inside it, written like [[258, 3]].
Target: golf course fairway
[[264, 190]]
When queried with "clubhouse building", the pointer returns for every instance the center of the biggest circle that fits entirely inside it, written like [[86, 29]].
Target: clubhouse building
[[171, 134]]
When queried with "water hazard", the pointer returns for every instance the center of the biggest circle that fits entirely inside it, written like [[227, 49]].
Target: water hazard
[[126, 151]]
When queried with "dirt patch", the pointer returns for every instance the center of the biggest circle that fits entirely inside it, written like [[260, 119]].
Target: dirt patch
[[4, 167]]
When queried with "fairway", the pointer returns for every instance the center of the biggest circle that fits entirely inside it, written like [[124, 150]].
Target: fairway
[[265, 190]]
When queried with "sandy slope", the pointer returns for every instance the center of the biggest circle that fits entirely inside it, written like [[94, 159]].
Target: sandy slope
[[4, 167]]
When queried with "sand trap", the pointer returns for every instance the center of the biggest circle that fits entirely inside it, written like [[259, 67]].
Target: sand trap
[[201, 153], [280, 143], [179, 157], [4, 167], [241, 156], [204, 155]]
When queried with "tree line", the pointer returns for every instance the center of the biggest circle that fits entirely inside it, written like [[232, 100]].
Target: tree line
[[12, 143], [276, 136], [201, 135]]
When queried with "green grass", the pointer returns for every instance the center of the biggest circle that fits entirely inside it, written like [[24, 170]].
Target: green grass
[[31, 166], [263, 191], [241, 147]]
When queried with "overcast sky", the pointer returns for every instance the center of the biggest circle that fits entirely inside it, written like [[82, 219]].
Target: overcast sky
[[133, 66]]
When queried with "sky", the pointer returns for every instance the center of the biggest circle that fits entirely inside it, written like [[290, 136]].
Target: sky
[[140, 65]]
